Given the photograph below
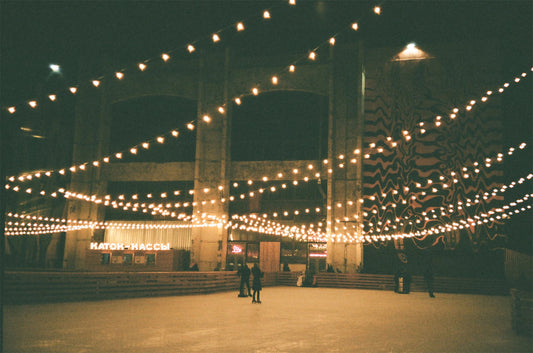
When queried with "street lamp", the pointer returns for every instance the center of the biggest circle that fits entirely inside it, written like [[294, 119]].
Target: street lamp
[[55, 67]]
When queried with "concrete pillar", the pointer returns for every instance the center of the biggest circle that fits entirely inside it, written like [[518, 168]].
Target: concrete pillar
[[212, 164], [346, 122], [91, 142]]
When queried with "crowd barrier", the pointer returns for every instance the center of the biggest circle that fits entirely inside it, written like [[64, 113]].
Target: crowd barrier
[[31, 287]]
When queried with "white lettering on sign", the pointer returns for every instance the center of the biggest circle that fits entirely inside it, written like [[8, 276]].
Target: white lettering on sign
[[132, 246]]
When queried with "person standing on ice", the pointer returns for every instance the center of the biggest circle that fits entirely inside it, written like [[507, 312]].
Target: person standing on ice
[[428, 277], [256, 284]]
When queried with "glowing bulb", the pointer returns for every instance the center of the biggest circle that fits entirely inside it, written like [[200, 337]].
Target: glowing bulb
[[255, 91], [118, 155], [133, 150], [240, 26], [274, 80], [206, 118], [175, 133], [190, 126], [160, 139], [145, 145], [292, 68], [377, 10], [73, 90], [165, 57], [119, 75], [355, 26], [266, 14], [52, 97], [11, 110], [216, 38], [191, 48], [32, 104], [332, 41], [312, 55], [55, 67], [292, 2], [221, 110], [141, 66], [238, 101]]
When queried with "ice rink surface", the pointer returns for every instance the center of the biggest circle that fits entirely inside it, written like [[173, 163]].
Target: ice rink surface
[[290, 319]]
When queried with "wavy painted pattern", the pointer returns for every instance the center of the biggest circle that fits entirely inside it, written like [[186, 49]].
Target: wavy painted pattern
[[399, 96]]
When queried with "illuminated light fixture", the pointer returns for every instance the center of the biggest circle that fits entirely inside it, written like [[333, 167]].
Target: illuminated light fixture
[[190, 48], [73, 90], [190, 126], [332, 41], [119, 75], [292, 68], [96, 163], [238, 101], [292, 2], [96, 83], [240, 26], [11, 110], [216, 38], [141, 66], [452, 116], [506, 84], [355, 26], [175, 133], [106, 159], [160, 139], [356, 151], [32, 104], [52, 97], [54, 67], [517, 80], [266, 14], [500, 90], [221, 110], [118, 155], [524, 74], [28, 190], [255, 91], [145, 145], [312, 55], [377, 10], [73, 169], [484, 99], [274, 80], [468, 107], [82, 167], [133, 150], [206, 118], [165, 57]]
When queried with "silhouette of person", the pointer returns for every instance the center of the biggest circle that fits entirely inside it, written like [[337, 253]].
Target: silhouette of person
[[193, 266], [256, 284], [286, 267], [244, 273], [428, 278]]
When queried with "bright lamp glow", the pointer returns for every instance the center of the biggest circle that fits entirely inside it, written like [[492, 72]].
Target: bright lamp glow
[[55, 67]]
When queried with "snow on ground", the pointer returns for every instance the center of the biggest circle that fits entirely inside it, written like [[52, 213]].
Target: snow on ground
[[288, 320]]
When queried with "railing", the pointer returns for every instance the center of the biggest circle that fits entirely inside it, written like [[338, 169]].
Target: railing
[[31, 287]]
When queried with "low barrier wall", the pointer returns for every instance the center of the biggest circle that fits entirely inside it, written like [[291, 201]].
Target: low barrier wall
[[31, 287]]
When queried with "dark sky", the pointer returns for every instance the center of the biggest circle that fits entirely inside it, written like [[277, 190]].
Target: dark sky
[[36, 33]]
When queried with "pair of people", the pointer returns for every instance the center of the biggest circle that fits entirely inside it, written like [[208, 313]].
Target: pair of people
[[244, 273]]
